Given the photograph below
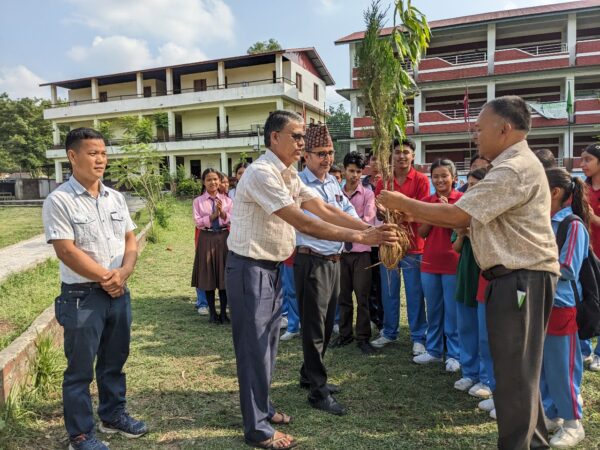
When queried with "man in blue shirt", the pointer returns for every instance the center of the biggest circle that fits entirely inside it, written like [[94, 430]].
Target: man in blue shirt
[[317, 274]]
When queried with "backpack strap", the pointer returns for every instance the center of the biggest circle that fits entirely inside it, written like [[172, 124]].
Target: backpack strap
[[563, 228]]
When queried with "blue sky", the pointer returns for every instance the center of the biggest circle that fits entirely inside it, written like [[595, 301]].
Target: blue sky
[[51, 40]]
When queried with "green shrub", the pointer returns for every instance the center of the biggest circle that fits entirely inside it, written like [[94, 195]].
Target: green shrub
[[188, 188]]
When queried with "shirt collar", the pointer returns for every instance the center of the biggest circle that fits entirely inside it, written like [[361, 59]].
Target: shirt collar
[[80, 190], [454, 195], [312, 178], [560, 215], [278, 163], [359, 189], [510, 151]]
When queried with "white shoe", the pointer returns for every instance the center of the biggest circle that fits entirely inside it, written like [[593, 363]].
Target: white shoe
[[493, 414], [426, 358], [568, 437], [284, 323], [587, 360], [336, 329], [463, 384], [418, 349], [381, 341], [595, 364], [480, 390], [287, 336], [452, 365], [553, 425], [486, 405], [203, 311]]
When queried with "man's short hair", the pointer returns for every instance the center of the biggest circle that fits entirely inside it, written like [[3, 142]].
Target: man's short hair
[[355, 158], [74, 137], [477, 156], [335, 169], [408, 142], [546, 157], [514, 109], [277, 121]]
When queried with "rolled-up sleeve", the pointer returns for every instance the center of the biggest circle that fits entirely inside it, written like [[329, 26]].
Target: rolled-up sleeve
[[56, 219], [499, 191], [268, 191]]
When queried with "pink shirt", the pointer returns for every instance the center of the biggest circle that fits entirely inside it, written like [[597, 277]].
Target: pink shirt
[[363, 201], [203, 208]]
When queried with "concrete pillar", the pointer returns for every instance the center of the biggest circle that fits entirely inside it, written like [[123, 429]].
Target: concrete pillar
[[96, 123], [58, 175], [491, 46], [172, 165], [572, 38], [187, 166], [94, 89], [139, 82], [53, 95], [419, 153], [491, 90], [223, 119], [419, 105], [278, 67], [171, 119], [353, 111], [169, 80], [353, 146], [55, 134], [352, 50], [567, 145], [279, 103], [224, 163], [221, 74]]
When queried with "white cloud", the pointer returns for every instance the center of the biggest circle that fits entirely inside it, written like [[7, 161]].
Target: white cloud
[[19, 81], [325, 7], [121, 53], [184, 22]]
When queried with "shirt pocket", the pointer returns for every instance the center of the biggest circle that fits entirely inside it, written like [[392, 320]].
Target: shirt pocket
[[118, 224], [85, 228]]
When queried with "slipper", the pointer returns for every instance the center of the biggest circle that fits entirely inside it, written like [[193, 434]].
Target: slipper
[[272, 443], [285, 419]]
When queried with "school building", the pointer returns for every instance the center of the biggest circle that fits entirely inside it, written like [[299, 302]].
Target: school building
[[215, 109], [549, 55]]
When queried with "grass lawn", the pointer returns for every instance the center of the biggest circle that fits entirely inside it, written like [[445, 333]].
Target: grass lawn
[[19, 223], [182, 381]]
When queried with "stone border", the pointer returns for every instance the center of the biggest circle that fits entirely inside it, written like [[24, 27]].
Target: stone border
[[15, 360]]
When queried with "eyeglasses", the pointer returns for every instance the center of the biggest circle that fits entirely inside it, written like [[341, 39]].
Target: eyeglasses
[[322, 155], [297, 136]]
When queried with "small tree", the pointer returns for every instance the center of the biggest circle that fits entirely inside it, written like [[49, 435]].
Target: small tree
[[264, 47]]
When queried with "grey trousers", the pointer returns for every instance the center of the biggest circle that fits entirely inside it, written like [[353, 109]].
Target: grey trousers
[[516, 335], [255, 298]]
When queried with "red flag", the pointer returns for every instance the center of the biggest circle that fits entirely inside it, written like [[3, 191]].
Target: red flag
[[466, 105]]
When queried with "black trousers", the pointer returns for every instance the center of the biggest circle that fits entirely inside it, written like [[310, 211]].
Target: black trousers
[[516, 335], [355, 277], [375, 304], [317, 290]]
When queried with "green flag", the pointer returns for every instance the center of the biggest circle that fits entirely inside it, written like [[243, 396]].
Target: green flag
[[569, 101]]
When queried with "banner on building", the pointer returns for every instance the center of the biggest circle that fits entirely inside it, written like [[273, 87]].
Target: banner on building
[[550, 110]]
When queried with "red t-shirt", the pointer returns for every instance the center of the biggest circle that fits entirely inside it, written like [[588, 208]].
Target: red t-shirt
[[438, 255], [483, 283], [594, 200], [415, 186]]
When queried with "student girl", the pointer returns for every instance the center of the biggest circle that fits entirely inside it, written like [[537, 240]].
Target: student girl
[[212, 210], [238, 171], [438, 275], [562, 365], [590, 164], [467, 281]]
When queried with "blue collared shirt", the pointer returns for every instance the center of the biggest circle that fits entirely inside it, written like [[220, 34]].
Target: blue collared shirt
[[331, 192]]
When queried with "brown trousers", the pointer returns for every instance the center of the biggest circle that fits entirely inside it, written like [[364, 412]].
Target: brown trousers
[[355, 277]]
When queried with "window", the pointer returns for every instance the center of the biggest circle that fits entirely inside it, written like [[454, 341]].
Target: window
[[316, 92], [103, 96], [147, 91], [200, 85], [299, 82]]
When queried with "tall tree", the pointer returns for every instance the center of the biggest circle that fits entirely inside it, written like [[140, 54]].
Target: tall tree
[[264, 46], [24, 134]]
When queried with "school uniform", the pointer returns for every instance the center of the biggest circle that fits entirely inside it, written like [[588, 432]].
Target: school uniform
[[594, 201], [290, 304], [438, 278], [486, 364], [562, 366]]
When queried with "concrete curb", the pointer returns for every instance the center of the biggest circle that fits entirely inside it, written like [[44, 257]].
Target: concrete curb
[[16, 359]]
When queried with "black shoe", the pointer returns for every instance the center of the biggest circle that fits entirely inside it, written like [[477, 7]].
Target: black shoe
[[224, 319], [213, 318], [327, 404], [342, 341], [366, 348], [332, 388]]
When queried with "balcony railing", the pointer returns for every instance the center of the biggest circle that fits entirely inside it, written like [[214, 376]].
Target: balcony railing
[[460, 113], [544, 49], [111, 98], [465, 58]]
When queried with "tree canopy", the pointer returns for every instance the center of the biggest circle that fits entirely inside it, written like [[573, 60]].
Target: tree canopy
[[264, 47]]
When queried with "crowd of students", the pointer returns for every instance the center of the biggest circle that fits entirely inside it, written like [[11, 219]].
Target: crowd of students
[[444, 289]]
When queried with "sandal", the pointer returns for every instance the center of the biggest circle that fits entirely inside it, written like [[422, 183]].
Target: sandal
[[284, 419], [274, 443]]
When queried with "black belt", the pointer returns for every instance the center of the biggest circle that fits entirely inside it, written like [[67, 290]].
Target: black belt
[[311, 252], [87, 285], [218, 230], [497, 272], [265, 263]]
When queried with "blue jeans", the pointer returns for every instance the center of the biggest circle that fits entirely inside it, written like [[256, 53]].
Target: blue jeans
[[441, 315], [415, 303], [201, 299], [468, 335], [96, 327], [586, 347], [486, 365], [290, 304]]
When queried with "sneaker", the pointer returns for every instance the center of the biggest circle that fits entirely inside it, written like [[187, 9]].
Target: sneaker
[[595, 364], [203, 311], [493, 414], [287, 336], [125, 425], [284, 323], [381, 341], [87, 442], [341, 341], [480, 390], [486, 405], [366, 348], [587, 360], [463, 384], [553, 425], [452, 365], [418, 349], [426, 358], [568, 437], [336, 329]]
